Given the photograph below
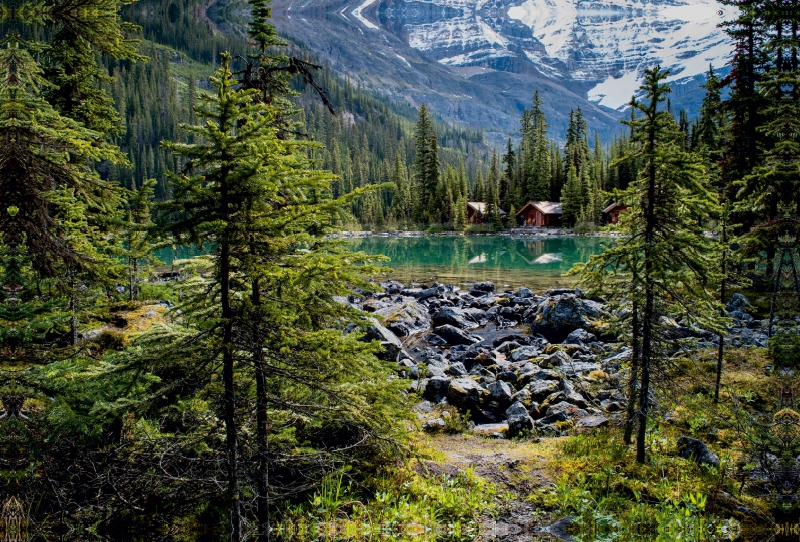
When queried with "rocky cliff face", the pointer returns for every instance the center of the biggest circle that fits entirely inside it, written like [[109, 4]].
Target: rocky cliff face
[[479, 61]]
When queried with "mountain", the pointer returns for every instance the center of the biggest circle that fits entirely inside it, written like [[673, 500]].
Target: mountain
[[478, 62]]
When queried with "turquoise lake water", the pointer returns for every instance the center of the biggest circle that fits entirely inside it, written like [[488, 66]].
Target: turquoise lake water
[[537, 263]]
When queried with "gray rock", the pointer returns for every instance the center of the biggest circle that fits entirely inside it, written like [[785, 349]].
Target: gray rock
[[434, 425], [740, 315], [494, 430], [453, 335], [571, 395], [424, 407], [465, 392], [538, 374], [435, 340], [581, 337], [434, 370], [541, 389], [525, 353], [556, 359], [738, 302], [392, 347], [559, 316], [460, 318], [500, 392], [591, 422], [487, 286], [696, 450], [457, 369], [392, 287], [524, 293], [575, 368], [518, 419], [406, 318], [561, 412], [611, 406], [437, 388]]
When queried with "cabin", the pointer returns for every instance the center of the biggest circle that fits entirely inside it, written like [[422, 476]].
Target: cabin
[[612, 212], [476, 212], [545, 214]]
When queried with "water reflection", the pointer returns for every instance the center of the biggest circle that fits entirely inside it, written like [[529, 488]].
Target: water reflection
[[537, 263]]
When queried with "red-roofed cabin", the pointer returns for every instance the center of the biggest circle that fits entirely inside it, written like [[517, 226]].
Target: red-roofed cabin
[[540, 213], [612, 212]]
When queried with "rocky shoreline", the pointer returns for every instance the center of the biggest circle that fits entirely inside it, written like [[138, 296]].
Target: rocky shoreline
[[514, 361], [514, 232]]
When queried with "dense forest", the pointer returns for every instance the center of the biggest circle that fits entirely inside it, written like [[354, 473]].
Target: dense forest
[[275, 385]]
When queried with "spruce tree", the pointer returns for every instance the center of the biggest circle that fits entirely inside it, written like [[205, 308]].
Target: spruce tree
[[668, 264]]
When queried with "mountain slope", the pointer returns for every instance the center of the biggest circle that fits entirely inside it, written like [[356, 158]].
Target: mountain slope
[[479, 61], [355, 40]]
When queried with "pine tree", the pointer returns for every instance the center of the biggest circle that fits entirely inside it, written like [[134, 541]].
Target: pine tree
[[426, 165], [667, 264], [572, 198]]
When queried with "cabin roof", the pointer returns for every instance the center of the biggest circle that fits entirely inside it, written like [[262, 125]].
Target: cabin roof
[[480, 207], [545, 207], [612, 206]]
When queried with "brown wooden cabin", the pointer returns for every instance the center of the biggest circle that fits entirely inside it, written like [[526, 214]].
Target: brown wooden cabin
[[612, 212], [540, 213], [476, 212]]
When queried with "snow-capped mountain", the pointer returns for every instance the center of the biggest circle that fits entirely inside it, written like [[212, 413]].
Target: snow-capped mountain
[[479, 61], [605, 44]]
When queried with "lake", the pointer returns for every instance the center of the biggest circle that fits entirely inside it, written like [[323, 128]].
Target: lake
[[535, 262]]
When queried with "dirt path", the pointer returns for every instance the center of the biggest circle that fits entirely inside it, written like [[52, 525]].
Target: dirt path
[[515, 467]]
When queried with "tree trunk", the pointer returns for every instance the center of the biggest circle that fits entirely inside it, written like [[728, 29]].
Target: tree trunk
[[721, 347], [262, 427], [630, 414], [231, 433], [649, 304]]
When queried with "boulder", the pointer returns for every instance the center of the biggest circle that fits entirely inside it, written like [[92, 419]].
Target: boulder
[[738, 302], [453, 335], [487, 286], [560, 315], [425, 407], [435, 340], [525, 353], [556, 359], [575, 368], [501, 392], [581, 337], [518, 419], [592, 422], [527, 377], [571, 395], [392, 287], [406, 319], [434, 425], [392, 347], [524, 293], [460, 318], [436, 388], [561, 412], [541, 389], [696, 450], [422, 294], [493, 430], [434, 370], [457, 369], [465, 393]]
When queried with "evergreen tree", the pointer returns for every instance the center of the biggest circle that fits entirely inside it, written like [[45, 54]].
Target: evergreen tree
[[572, 198], [426, 165], [668, 264]]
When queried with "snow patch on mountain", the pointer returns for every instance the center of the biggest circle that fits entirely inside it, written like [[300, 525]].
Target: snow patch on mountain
[[357, 13], [613, 41]]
